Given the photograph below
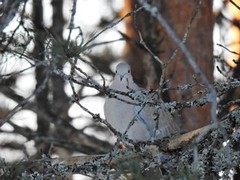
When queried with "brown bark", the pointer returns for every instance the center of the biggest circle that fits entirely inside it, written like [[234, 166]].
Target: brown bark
[[200, 45], [147, 72]]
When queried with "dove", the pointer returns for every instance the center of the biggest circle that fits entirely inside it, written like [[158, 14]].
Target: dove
[[128, 116]]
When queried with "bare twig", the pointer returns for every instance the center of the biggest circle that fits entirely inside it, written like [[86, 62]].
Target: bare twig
[[234, 4], [24, 102], [234, 52], [114, 23], [71, 24]]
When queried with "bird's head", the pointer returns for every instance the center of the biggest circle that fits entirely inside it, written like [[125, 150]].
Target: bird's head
[[123, 72]]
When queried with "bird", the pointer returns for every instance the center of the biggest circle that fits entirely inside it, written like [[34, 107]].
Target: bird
[[129, 116]]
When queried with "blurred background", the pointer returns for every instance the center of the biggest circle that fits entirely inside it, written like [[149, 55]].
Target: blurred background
[[57, 57]]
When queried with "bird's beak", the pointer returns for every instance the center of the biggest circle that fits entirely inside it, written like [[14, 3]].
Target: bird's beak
[[121, 77]]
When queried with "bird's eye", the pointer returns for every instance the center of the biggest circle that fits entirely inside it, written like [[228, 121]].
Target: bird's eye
[[128, 71]]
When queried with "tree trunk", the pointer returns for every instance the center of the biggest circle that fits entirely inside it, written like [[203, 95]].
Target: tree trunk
[[147, 71], [41, 74]]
